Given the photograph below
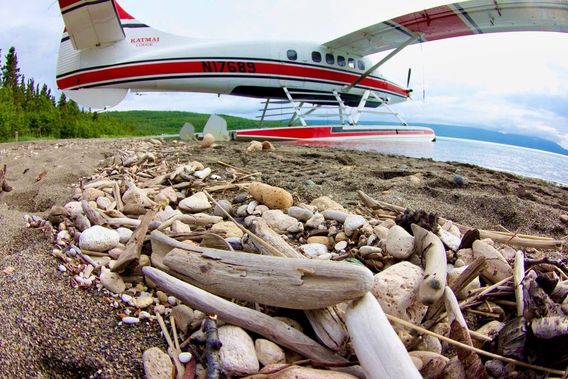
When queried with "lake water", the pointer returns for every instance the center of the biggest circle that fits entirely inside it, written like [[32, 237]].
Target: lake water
[[527, 162]]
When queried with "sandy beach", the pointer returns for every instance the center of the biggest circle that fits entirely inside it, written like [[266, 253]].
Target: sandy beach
[[50, 330]]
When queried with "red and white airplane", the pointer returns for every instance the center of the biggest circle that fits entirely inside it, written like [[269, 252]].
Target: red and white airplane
[[105, 53]]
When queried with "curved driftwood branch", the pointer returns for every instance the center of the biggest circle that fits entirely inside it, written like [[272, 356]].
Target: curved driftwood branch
[[246, 318]]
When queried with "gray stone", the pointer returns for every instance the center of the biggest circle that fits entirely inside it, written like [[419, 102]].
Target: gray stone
[[282, 223], [237, 355], [301, 214], [223, 205], [98, 238], [197, 202], [112, 281], [352, 223], [268, 352]]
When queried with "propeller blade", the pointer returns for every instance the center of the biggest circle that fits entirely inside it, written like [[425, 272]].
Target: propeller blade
[[408, 77]]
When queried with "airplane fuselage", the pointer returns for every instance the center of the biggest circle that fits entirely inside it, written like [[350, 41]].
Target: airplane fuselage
[[150, 60]]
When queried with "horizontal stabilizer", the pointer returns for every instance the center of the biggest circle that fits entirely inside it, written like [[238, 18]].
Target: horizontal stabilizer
[[97, 98], [455, 20], [91, 23]]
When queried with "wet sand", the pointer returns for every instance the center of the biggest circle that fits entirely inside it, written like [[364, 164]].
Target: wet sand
[[49, 329]]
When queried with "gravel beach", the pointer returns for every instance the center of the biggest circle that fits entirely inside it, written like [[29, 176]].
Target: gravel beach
[[51, 330]]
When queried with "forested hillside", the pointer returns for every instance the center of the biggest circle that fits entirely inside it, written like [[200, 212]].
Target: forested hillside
[[29, 110]]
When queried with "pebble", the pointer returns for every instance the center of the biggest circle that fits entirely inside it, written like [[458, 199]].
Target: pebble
[[129, 320], [324, 203], [237, 354], [333, 214], [202, 174], [172, 300], [197, 202], [319, 239], [459, 180], [396, 289], [157, 364], [268, 352], [62, 268], [62, 238], [112, 281], [341, 245], [400, 244], [144, 300], [162, 297], [223, 204], [124, 234], [167, 195], [229, 228], [185, 357], [564, 218], [313, 250], [92, 194], [74, 207], [315, 221], [366, 250], [282, 223], [184, 316], [98, 238], [105, 203], [254, 146], [499, 268], [180, 227], [352, 223], [301, 214]]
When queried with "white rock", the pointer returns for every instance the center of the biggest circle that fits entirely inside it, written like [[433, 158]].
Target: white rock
[[157, 364], [98, 238], [449, 239], [366, 250], [324, 257], [185, 357], [202, 174], [315, 221], [124, 234], [237, 355], [105, 203], [144, 300], [324, 203], [74, 207], [180, 227], [400, 244], [62, 268], [167, 213], [313, 250], [282, 223], [184, 316], [381, 232], [197, 202], [301, 214], [268, 352], [352, 223], [112, 281], [230, 228], [341, 245], [92, 194], [172, 300], [128, 320], [167, 195], [396, 289], [62, 237]]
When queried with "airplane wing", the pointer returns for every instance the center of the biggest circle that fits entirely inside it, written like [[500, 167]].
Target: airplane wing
[[456, 20], [91, 23]]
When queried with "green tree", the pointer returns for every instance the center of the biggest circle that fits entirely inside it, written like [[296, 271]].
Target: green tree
[[10, 70]]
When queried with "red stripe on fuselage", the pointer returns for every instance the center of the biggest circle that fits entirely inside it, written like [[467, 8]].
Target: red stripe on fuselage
[[436, 23], [145, 71], [323, 132]]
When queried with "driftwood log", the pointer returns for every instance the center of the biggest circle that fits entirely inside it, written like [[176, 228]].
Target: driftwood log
[[281, 282], [257, 322], [378, 348], [4, 186], [328, 323], [133, 247]]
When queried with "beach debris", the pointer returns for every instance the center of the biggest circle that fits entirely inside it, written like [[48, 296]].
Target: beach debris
[[255, 146], [41, 175], [4, 186], [272, 197], [207, 141], [219, 262]]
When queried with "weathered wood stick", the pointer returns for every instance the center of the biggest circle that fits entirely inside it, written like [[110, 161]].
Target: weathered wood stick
[[375, 204], [471, 272], [518, 276], [100, 184], [281, 282], [133, 247], [92, 214], [520, 242], [276, 244], [198, 219], [435, 271], [478, 351], [378, 348], [246, 318]]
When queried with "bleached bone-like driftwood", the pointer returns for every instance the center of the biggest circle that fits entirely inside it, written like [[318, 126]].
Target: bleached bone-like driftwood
[[246, 318], [328, 323], [435, 270], [378, 348], [281, 282]]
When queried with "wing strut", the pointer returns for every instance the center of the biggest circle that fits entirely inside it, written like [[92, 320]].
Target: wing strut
[[411, 40]]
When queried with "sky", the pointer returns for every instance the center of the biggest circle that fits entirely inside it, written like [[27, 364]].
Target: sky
[[511, 82]]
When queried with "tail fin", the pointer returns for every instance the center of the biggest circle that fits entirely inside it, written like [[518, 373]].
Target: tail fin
[[90, 27]]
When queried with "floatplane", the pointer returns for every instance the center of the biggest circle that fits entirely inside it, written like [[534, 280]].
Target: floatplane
[[105, 52]]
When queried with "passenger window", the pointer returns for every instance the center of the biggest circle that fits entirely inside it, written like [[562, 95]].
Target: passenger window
[[361, 65], [341, 60], [351, 63], [329, 58], [316, 56], [292, 55]]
